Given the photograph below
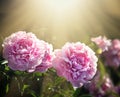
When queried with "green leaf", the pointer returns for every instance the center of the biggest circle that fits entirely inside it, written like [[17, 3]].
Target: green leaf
[[25, 87], [85, 96], [33, 93], [77, 92], [7, 88], [81, 92], [57, 95], [20, 73], [38, 74], [7, 68], [102, 69]]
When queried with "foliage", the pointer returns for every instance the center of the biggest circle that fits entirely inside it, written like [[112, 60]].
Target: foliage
[[48, 84]]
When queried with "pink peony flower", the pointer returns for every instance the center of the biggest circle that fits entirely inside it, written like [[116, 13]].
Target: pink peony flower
[[76, 62], [25, 52], [100, 86], [111, 50], [117, 89], [112, 56], [102, 42]]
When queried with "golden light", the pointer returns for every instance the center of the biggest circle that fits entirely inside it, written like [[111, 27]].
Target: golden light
[[60, 6], [59, 21]]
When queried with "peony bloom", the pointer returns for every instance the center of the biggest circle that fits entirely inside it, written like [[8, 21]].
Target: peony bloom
[[117, 89], [76, 62], [112, 56], [99, 87], [25, 52], [102, 42], [111, 50]]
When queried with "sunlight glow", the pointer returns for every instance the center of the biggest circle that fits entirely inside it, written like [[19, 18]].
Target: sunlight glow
[[60, 5], [57, 20]]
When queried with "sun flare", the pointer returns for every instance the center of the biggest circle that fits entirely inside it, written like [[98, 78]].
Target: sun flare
[[60, 5]]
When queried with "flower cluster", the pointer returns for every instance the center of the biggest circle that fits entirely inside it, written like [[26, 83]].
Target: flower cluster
[[99, 87], [102, 42], [111, 50], [25, 52], [29, 57], [102, 85]]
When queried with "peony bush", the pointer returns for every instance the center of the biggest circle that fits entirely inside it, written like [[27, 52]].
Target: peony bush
[[29, 67]]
